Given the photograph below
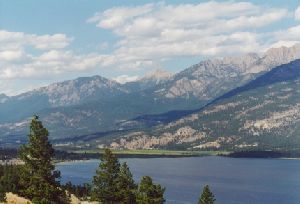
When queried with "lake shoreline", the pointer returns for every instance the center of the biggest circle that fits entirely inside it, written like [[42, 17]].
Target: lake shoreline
[[86, 155]]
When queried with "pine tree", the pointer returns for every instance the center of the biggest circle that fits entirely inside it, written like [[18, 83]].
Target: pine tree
[[38, 175], [105, 183], [126, 185], [207, 196], [149, 193]]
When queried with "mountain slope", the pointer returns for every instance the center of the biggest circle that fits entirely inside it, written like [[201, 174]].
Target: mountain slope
[[212, 78], [62, 94], [95, 104], [263, 114], [81, 90]]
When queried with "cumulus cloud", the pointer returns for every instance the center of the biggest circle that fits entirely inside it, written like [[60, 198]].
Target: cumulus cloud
[[49, 59], [292, 33], [15, 62], [158, 31], [11, 55], [50, 64], [16, 40], [115, 17]]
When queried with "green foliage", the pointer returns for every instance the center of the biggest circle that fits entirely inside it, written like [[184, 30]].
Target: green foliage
[[126, 185], [80, 191], [9, 180], [149, 193], [105, 181], [114, 183], [207, 196], [38, 175]]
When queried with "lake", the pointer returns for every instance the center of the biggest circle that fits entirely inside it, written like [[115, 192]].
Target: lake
[[232, 180]]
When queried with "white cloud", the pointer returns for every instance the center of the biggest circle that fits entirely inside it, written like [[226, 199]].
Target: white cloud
[[292, 33], [115, 17], [16, 40], [49, 59], [46, 42], [158, 31], [51, 63], [125, 78], [11, 55]]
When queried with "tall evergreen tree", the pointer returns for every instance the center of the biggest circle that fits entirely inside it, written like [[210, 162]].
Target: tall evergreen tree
[[126, 185], [105, 182], [149, 193], [207, 197], [38, 175]]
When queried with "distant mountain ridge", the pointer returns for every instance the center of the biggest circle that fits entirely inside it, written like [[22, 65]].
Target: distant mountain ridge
[[276, 75], [212, 78], [95, 104], [71, 92], [250, 66], [81, 90], [262, 115]]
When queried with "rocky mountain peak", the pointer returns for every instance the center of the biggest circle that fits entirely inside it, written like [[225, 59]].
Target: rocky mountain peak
[[210, 78], [281, 55], [73, 91], [283, 51]]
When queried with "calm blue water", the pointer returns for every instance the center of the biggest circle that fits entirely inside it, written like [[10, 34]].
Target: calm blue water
[[250, 181]]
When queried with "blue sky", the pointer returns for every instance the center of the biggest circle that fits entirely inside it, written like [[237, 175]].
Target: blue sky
[[42, 42]]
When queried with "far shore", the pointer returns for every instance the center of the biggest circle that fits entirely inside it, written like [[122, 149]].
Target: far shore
[[87, 155]]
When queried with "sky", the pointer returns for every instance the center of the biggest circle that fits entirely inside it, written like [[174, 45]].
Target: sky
[[43, 41]]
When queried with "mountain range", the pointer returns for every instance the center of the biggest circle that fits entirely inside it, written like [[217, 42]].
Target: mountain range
[[263, 114], [91, 106]]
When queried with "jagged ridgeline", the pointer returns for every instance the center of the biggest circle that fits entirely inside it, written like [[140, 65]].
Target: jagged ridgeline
[[263, 114]]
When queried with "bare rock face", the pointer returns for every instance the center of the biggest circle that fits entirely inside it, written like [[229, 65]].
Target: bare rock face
[[211, 78], [283, 55], [75, 91], [140, 140]]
